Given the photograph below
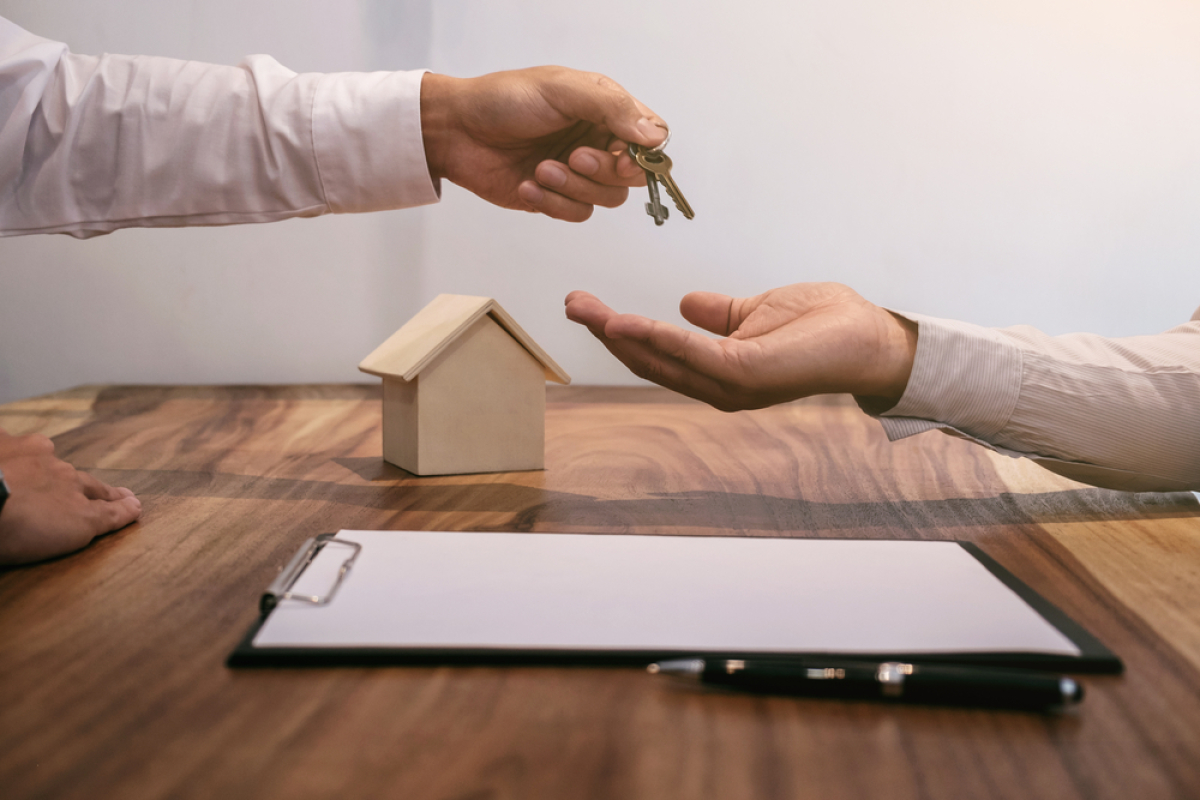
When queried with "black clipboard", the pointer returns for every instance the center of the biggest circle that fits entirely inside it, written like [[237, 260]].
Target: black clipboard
[[1093, 656]]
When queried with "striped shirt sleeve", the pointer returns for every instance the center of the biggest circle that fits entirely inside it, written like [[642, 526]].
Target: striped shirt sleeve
[[1122, 413]]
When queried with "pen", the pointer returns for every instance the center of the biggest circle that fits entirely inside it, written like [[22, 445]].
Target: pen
[[891, 680]]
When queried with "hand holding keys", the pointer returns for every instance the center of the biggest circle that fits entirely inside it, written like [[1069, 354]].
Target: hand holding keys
[[657, 166]]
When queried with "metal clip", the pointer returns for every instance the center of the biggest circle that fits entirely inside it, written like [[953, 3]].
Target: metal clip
[[281, 587]]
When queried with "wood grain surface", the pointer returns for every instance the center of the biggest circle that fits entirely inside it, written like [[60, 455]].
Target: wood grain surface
[[112, 675]]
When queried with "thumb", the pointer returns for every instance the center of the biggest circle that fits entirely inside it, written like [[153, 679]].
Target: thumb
[[711, 311], [600, 100]]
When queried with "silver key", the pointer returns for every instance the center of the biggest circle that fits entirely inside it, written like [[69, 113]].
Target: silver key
[[659, 163], [655, 207]]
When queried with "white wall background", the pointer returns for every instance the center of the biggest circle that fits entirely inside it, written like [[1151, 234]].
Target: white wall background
[[1000, 161]]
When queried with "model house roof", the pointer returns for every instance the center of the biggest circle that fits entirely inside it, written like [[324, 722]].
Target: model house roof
[[418, 343]]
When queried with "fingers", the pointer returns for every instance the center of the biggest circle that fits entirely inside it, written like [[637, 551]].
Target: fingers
[[565, 181], [695, 352], [106, 508], [553, 204], [680, 360], [601, 100], [95, 489], [590, 178], [586, 309], [660, 339], [579, 294], [614, 168], [649, 361], [112, 515], [54, 508]]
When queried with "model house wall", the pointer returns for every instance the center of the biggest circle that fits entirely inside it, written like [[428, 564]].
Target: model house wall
[[479, 407], [464, 390]]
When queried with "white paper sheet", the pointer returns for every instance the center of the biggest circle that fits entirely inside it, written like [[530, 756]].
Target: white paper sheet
[[533, 591]]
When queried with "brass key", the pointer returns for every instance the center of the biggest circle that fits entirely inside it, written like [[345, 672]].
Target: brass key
[[658, 163], [655, 207]]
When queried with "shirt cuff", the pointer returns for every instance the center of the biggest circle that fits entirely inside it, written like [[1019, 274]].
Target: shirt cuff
[[366, 130], [965, 376]]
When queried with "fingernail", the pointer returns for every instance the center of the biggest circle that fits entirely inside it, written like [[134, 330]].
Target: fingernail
[[531, 193], [552, 175], [586, 164], [649, 129]]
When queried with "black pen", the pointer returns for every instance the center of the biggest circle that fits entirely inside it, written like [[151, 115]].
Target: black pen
[[941, 684]]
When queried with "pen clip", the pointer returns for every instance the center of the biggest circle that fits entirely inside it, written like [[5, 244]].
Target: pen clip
[[281, 587]]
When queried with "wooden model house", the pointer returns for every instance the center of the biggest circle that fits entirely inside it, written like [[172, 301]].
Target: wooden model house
[[464, 390]]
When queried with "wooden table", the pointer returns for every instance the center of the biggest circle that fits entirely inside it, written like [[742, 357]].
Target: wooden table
[[112, 675]]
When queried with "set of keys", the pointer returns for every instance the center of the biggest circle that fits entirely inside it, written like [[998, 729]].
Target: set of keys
[[657, 166]]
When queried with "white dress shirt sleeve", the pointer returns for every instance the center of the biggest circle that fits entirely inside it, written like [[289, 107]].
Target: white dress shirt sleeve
[[1119, 413], [89, 144]]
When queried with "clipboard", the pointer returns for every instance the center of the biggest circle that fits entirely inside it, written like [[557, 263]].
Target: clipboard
[[449, 597]]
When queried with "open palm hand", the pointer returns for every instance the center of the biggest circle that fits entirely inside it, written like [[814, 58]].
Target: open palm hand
[[800, 340]]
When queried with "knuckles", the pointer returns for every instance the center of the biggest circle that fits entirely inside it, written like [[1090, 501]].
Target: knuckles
[[62, 471], [616, 198], [33, 444]]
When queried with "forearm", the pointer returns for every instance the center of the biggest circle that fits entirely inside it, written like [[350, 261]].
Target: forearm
[[1119, 413], [92, 144]]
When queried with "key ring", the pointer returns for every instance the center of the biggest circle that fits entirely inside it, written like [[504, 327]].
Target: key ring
[[634, 148], [663, 146]]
